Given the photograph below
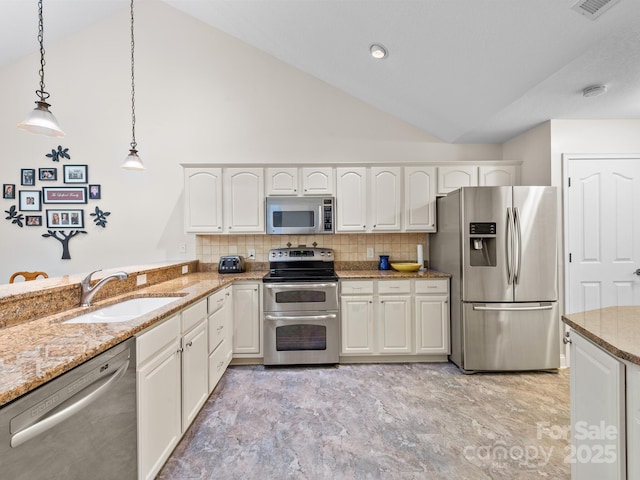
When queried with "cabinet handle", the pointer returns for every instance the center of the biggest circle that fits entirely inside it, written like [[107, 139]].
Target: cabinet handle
[[180, 350], [566, 339], [219, 228], [220, 328], [189, 344]]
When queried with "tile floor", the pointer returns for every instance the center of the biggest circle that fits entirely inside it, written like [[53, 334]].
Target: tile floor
[[392, 421]]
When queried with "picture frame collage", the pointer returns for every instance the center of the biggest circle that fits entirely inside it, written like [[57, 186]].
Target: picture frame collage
[[62, 203]]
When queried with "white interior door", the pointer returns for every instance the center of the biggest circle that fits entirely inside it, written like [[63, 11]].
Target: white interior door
[[602, 231]]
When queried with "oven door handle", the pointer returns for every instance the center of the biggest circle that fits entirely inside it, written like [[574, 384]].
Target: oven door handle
[[299, 285], [330, 316]]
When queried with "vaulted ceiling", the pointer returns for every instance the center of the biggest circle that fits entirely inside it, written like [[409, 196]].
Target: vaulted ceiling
[[466, 71]]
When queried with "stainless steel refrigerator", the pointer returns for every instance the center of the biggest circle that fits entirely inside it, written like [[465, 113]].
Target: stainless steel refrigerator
[[500, 245]]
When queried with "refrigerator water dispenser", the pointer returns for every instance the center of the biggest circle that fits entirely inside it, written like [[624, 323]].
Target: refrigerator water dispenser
[[482, 244]]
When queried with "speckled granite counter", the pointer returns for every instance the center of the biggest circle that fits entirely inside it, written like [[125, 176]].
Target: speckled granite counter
[[39, 346], [388, 274], [34, 352], [615, 329]]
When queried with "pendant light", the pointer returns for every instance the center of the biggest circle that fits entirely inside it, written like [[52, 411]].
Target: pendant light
[[133, 161], [41, 120]]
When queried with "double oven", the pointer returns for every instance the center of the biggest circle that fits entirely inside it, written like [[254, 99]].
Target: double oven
[[301, 307]]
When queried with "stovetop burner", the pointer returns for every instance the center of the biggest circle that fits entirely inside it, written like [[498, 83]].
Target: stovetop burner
[[300, 264]]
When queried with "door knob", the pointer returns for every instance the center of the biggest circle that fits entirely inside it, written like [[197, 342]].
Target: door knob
[[637, 272]]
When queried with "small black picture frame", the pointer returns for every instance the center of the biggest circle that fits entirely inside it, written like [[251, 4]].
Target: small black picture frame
[[48, 174], [9, 190], [30, 200], [95, 192], [65, 218], [27, 177], [33, 220], [75, 174]]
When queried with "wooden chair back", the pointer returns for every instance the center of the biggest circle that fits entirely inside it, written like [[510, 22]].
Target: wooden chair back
[[28, 276]]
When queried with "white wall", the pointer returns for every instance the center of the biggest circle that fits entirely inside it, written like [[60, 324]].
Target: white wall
[[201, 96], [533, 149]]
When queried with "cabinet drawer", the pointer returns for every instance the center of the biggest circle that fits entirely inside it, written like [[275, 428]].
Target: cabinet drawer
[[153, 340], [432, 286], [356, 287], [216, 300], [217, 329], [218, 362], [193, 314], [394, 286]]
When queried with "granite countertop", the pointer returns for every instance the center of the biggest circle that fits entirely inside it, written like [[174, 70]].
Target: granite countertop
[[40, 349], [615, 329], [388, 274]]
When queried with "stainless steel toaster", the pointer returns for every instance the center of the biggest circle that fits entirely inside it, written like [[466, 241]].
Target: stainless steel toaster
[[231, 264]]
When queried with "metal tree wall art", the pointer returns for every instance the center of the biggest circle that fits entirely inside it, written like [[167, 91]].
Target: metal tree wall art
[[56, 155], [64, 238], [14, 216], [101, 217]]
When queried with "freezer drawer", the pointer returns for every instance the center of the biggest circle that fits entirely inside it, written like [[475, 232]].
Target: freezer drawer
[[510, 336]]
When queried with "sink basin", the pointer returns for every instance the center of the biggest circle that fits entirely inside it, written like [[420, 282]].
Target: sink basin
[[123, 311]]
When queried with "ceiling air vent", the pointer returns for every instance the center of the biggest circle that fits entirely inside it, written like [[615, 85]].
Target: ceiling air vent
[[593, 8]]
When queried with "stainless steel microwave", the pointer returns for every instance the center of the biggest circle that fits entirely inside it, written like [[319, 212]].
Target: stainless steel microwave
[[300, 215]]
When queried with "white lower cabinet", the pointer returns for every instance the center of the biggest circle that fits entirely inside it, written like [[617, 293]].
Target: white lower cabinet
[[247, 320], [158, 374], [172, 376], [597, 413], [395, 317], [220, 334]]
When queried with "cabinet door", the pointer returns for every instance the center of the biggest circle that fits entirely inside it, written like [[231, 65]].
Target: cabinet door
[[633, 419], [432, 324], [496, 176], [597, 413], [420, 199], [246, 320], [394, 324], [244, 200], [451, 178], [317, 180], [357, 324], [195, 377], [159, 425], [203, 200], [386, 197], [351, 200], [282, 181]]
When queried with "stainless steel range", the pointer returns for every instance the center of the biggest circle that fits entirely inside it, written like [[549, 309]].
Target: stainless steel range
[[301, 307]]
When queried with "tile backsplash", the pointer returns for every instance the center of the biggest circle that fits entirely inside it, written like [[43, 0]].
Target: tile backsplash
[[347, 247]]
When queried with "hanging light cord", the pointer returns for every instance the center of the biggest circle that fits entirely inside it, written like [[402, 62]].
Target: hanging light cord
[[133, 87], [41, 93]]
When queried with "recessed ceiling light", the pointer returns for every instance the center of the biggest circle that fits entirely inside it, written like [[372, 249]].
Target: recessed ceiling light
[[594, 90], [378, 51]]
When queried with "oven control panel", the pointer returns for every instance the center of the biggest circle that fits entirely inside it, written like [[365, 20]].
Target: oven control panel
[[301, 253]]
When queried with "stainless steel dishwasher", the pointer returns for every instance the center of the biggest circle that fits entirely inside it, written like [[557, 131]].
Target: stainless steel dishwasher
[[80, 425]]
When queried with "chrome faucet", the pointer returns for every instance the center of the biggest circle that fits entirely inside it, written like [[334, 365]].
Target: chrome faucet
[[88, 292]]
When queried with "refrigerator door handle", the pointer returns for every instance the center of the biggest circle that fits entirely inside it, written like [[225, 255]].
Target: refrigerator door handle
[[484, 308], [518, 246], [509, 249]]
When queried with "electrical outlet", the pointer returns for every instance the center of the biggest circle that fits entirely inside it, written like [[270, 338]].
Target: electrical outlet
[[185, 269], [141, 279], [182, 248], [251, 253], [369, 252]]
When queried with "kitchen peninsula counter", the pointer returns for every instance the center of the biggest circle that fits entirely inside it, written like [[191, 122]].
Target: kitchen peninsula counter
[[615, 329], [36, 346]]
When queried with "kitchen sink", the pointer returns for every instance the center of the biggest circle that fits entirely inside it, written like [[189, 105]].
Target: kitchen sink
[[123, 311]]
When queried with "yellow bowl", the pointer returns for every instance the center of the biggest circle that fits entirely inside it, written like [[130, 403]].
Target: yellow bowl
[[406, 267]]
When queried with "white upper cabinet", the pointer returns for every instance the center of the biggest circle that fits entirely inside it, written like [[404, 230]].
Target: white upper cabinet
[[419, 199], [386, 208], [244, 200], [454, 177], [351, 199], [317, 180], [203, 200], [282, 181], [496, 175]]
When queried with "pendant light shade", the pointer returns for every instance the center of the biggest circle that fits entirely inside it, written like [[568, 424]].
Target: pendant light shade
[[40, 120], [133, 161]]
